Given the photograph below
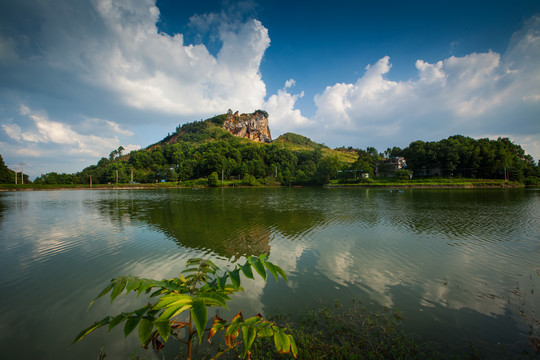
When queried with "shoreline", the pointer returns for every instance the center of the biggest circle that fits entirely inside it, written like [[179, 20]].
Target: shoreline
[[349, 186]]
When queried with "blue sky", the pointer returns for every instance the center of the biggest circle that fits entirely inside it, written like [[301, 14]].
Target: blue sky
[[78, 79]]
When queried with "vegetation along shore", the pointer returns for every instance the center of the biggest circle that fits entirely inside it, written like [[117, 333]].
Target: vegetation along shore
[[237, 150]]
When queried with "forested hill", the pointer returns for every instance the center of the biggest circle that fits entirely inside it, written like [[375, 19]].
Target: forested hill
[[204, 149], [197, 149]]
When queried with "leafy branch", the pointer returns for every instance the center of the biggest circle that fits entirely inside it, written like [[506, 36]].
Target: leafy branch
[[200, 286]]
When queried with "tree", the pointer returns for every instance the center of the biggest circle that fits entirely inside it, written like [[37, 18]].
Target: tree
[[113, 154], [7, 176], [327, 169], [213, 179], [204, 286]]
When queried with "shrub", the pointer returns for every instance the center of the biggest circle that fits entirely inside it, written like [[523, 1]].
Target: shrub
[[203, 286]]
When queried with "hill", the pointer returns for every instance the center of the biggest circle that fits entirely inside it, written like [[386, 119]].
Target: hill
[[238, 148]]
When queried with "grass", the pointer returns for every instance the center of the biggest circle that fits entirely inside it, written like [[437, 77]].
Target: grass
[[430, 182], [377, 182], [347, 333]]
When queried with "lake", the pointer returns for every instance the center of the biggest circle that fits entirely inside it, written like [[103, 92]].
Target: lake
[[460, 265]]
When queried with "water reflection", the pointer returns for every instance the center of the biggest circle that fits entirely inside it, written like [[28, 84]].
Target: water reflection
[[230, 223], [448, 259]]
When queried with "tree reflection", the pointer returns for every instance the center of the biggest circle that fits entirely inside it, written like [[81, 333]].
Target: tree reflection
[[228, 222]]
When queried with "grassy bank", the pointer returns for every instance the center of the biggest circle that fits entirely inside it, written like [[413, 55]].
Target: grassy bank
[[370, 183], [429, 182]]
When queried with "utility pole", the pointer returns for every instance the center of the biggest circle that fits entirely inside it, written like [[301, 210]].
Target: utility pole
[[90, 181], [15, 176], [22, 173]]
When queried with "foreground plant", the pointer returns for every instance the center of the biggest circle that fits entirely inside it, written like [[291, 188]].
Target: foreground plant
[[203, 286]]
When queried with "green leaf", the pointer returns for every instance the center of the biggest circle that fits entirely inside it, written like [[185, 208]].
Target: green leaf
[[132, 284], [236, 322], [190, 270], [271, 267], [144, 285], [259, 267], [103, 292], [170, 299], [211, 264], [163, 328], [294, 348], [222, 281], [214, 299], [281, 272], [235, 278], [198, 311], [253, 320], [131, 324], [192, 261], [145, 330], [264, 332], [118, 288], [248, 334], [246, 269], [91, 328], [282, 342], [173, 310], [117, 320]]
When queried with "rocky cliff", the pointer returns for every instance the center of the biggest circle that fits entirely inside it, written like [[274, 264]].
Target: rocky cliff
[[252, 126]]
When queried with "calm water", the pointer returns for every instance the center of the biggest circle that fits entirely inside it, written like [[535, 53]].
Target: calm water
[[458, 264]]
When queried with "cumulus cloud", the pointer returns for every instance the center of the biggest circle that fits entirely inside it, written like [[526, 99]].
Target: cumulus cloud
[[116, 47], [104, 59], [480, 94], [281, 109], [42, 130]]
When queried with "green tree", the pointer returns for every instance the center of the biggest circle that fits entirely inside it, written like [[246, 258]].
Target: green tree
[[327, 169], [213, 179], [203, 286], [7, 176]]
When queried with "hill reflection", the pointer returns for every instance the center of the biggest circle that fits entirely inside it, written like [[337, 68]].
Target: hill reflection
[[218, 220]]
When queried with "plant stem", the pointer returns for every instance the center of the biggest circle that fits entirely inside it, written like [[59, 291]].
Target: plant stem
[[190, 336]]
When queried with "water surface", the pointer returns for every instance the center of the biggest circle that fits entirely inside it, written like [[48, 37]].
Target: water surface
[[458, 264]]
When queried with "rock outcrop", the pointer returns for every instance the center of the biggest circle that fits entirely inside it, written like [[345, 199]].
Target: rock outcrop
[[252, 126]]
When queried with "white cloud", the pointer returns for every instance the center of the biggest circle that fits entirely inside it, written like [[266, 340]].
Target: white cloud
[[471, 95], [282, 114], [13, 131], [116, 47], [42, 130], [152, 70], [129, 148]]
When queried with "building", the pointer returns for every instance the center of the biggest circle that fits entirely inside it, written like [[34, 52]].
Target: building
[[388, 167]]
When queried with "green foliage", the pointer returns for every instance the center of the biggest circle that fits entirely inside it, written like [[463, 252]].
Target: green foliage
[[7, 176], [213, 179], [327, 169], [200, 286], [403, 174], [198, 149], [296, 139], [55, 178], [463, 156]]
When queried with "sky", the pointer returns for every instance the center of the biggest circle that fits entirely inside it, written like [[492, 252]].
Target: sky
[[78, 79]]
